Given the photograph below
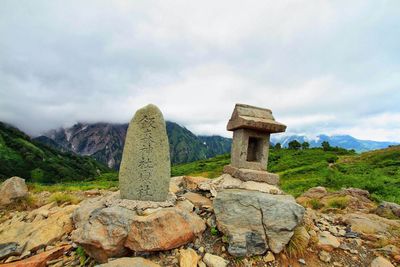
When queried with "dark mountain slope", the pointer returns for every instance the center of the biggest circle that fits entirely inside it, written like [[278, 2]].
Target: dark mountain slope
[[105, 142], [32, 160]]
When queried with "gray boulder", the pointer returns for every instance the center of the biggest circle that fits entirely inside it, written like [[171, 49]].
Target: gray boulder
[[104, 233], [256, 221], [388, 208], [12, 189], [10, 249]]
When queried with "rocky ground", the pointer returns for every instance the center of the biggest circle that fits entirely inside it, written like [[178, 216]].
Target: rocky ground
[[343, 228]]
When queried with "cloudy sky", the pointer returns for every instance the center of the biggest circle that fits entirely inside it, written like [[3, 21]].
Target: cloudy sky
[[322, 66]]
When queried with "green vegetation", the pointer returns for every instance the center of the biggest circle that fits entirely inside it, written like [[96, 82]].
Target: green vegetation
[[82, 256], [315, 204], [298, 244], [210, 168], [61, 198], [338, 202], [214, 231], [35, 162], [300, 169], [187, 147]]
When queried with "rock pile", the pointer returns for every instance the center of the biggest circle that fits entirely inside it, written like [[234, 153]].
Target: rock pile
[[112, 231]]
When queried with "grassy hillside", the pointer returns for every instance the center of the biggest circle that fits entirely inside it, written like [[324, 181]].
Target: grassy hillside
[[20, 156], [376, 171]]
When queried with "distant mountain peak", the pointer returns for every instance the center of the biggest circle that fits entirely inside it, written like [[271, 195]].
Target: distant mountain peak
[[344, 140], [105, 141]]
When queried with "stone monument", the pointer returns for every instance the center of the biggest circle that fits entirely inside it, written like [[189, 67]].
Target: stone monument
[[145, 166], [251, 128], [249, 208]]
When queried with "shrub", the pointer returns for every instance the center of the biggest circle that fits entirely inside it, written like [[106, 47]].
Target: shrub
[[298, 243], [82, 256], [331, 158], [60, 198], [338, 202], [315, 204], [214, 231]]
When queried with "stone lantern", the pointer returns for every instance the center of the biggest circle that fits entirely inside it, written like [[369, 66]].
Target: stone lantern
[[251, 128]]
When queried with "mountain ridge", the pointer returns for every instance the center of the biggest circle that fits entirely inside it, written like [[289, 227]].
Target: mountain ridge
[[22, 156], [105, 142], [343, 141]]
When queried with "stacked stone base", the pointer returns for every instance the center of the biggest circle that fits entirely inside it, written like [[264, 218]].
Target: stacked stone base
[[109, 227], [252, 175]]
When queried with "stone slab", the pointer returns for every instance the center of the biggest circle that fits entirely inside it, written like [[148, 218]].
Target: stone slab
[[252, 175], [250, 117], [145, 167]]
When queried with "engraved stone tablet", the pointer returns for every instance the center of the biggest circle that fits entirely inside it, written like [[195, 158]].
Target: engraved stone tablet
[[145, 167]]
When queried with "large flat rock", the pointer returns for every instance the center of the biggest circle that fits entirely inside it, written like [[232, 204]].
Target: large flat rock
[[255, 221]]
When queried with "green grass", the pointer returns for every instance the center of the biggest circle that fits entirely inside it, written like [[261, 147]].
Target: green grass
[[61, 198], [376, 171], [315, 204], [338, 202], [209, 168]]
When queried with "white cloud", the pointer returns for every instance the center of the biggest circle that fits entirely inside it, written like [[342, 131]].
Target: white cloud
[[322, 67]]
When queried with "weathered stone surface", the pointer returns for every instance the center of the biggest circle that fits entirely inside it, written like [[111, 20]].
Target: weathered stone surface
[[145, 166], [185, 205], [197, 199], [251, 128], [10, 249], [40, 259], [381, 262], [141, 204], [355, 192], [214, 261], [388, 209], [164, 230], [175, 184], [356, 199], [131, 262], [192, 183], [250, 117], [11, 189], [188, 258], [269, 257], [82, 213], [315, 192], [226, 181], [370, 223], [255, 221], [324, 256], [250, 149], [42, 212], [40, 232], [103, 230], [252, 175], [327, 241], [104, 234]]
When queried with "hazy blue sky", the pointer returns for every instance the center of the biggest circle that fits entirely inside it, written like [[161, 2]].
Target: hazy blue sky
[[322, 66]]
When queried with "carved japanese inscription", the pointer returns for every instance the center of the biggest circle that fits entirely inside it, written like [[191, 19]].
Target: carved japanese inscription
[[145, 167]]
